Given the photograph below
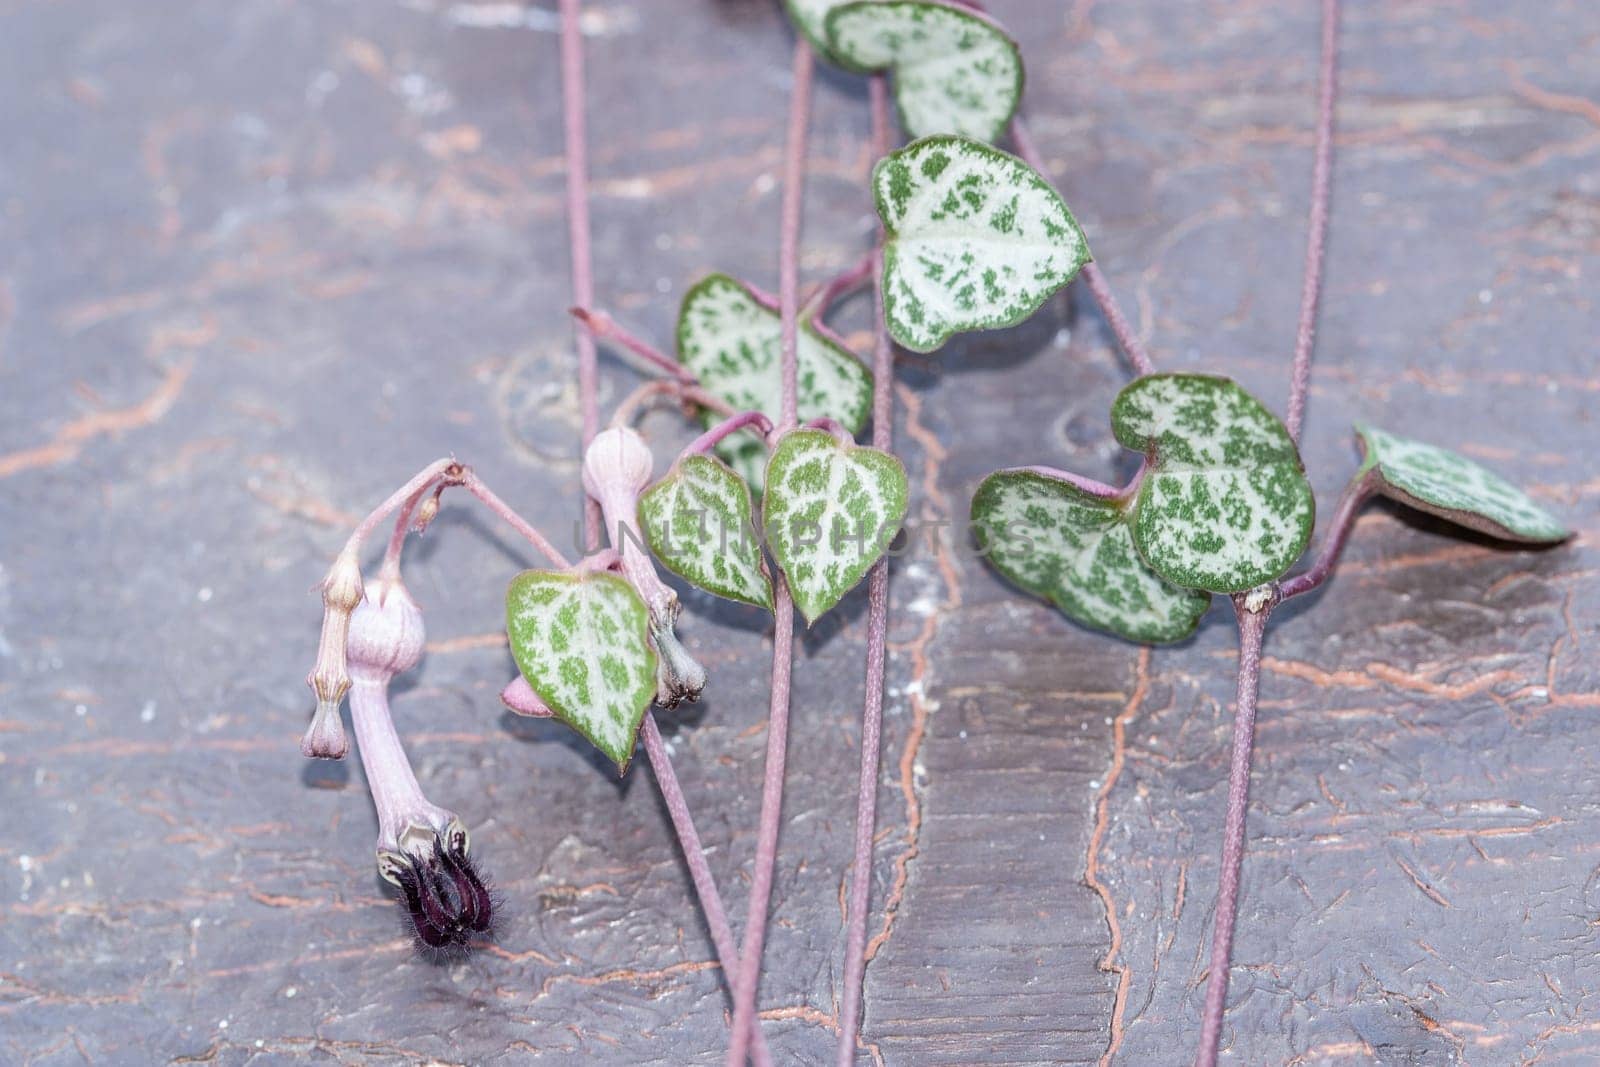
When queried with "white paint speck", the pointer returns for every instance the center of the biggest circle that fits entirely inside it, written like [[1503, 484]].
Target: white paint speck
[[1485, 296], [204, 595], [290, 992], [81, 710], [148, 712]]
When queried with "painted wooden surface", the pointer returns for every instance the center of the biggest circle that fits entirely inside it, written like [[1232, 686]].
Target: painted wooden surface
[[260, 260]]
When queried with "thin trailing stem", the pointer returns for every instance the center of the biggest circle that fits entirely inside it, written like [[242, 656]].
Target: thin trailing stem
[[390, 571], [588, 398], [794, 164], [575, 131], [839, 286], [744, 1010], [418, 483], [1252, 627], [745, 420], [1098, 286], [1357, 493], [1254, 607], [603, 327], [474, 485], [1317, 225], [855, 952], [635, 402], [694, 855]]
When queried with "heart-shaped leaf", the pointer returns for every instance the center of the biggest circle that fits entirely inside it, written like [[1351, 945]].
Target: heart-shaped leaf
[[698, 522], [731, 338], [581, 642], [975, 240], [1455, 488], [1073, 546], [955, 70], [830, 511], [1225, 504]]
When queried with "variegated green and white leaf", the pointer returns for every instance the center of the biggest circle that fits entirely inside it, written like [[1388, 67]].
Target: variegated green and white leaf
[[1453, 487], [1073, 546], [955, 70], [730, 337], [1225, 504], [975, 240], [810, 17], [830, 511], [581, 642], [698, 522]]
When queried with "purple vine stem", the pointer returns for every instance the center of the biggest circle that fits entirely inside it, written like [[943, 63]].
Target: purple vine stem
[[603, 327], [833, 427], [1357, 493], [745, 986], [575, 132], [1098, 286], [1317, 237], [1252, 626], [840, 285], [860, 901], [573, 109], [694, 855], [474, 485], [632, 404], [744, 420], [1254, 607]]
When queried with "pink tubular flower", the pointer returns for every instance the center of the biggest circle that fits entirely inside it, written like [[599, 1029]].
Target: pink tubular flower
[[422, 848]]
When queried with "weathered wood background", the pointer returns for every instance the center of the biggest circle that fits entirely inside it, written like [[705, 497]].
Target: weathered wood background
[[261, 259]]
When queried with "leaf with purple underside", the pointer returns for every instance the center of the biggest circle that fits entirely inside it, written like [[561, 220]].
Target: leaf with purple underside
[[1453, 487]]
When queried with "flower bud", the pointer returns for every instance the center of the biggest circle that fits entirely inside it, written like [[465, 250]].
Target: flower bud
[[519, 696], [617, 464], [329, 679], [325, 737], [616, 468], [426, 513]]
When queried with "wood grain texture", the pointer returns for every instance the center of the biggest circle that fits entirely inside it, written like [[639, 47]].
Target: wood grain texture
[[259, 261]]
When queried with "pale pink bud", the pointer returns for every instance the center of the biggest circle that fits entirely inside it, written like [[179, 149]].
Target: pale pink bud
[[519, 696], [616, 468]]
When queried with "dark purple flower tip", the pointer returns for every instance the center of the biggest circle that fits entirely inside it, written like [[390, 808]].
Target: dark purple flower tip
[[446, 899]]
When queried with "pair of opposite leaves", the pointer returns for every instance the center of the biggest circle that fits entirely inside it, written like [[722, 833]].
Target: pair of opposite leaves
[[582, 639], [830, 509]]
